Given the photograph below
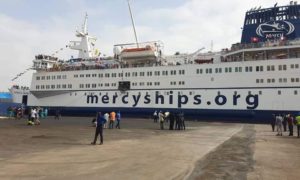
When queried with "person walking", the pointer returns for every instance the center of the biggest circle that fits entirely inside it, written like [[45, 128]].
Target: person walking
[[161, 120], [273, 122], [172, 120], [279, 120], [298, 124], [284, 122], [118, 119], [99, 128], [106, 117], [182, 120], [112, 119], [155, 116], [57, 114], [290, 121]]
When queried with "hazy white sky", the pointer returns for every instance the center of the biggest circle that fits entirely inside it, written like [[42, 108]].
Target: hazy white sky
[[35, 27]]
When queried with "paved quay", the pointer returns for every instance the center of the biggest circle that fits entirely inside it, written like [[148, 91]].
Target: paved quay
[[60, 149]]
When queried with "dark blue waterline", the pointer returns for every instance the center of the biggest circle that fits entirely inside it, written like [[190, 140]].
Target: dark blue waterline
[[244, 116]]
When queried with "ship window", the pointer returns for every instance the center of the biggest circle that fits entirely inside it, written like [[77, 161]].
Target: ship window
[[58, 76], [58, 86], [37, 87], [107, 75], [297, 79], [280, 80], [42, 87], [120, 74], [292, 66], [149, 73], [38, 78], [75, 76], [142, 83], [280, 67], [43, 77], [64, 86], [81, 75], [134, 74], [94, 75], [70, 86], [296, 66], [64, 76], [268, 80], [292, 79], [260, 92], [52, 86], [81, 85], [273, 80], [87, 85], [100, 75], [284, 67], [295, 92], [257, 68], [94, 85], [236, 69], [261, 80], [257, 80], [279, 92], [48, 77], [284, 80], [142, 74], [272, 68]]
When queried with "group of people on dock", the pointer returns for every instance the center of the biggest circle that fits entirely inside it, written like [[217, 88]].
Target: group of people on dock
[[282, 121], [175, 118], [35, 114], [110, 119]]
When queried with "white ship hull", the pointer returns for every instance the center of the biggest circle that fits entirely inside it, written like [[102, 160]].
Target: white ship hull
[[234, 92]]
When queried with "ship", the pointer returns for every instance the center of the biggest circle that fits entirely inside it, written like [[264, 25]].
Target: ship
[[251, 81]]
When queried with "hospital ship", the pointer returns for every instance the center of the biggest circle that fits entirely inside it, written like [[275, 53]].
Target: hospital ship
[[252, 80]]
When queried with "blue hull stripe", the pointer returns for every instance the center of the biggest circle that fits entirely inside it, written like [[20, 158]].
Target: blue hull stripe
[[246, 116]]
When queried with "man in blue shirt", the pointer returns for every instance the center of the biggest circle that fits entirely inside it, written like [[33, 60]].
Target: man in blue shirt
[[118, 119], [99, 128]]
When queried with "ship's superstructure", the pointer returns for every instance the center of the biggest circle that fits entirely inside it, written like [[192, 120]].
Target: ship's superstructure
[[253, 79]]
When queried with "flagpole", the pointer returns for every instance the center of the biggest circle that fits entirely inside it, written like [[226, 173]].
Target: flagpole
[[132, 21]]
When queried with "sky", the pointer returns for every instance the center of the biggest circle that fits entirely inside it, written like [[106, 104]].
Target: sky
[[31, 27]]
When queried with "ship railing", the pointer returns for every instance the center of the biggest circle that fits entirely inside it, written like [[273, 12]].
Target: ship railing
[[274, 43]]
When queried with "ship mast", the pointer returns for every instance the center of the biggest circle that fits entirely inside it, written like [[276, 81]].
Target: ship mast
[[86, 45], [132, 21]]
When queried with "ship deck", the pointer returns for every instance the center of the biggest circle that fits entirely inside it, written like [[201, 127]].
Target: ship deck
[[60, 149]]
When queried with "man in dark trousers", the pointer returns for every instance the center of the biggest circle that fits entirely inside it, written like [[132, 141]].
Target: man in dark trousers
[[172, 120], [99, 128], [290, 121], [284, 122]]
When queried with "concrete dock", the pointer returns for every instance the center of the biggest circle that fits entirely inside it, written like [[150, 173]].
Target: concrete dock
[[60, 149]]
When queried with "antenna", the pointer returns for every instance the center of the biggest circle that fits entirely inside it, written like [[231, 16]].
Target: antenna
[[132, 21], [84, 26], [275, 4]]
